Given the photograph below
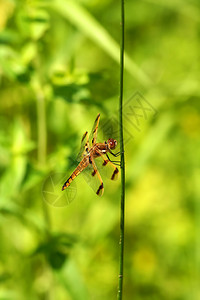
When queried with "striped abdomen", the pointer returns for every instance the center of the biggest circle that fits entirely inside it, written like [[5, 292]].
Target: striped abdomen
[[82, 165]]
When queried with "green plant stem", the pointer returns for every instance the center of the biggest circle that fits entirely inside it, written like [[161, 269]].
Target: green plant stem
[[121, 241], [42, 139]]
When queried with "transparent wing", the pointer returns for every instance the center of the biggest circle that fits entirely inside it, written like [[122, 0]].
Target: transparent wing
[[93, 134], [106, 167], [84, 149], [93, 178], [52, 193]]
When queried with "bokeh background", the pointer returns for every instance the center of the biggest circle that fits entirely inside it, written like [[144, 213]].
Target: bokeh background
[[59, 68]]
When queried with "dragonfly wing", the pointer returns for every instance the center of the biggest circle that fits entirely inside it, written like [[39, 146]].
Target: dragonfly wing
[[93, 178], [52, 192], [106, 167], [93, 134], [84, 149]]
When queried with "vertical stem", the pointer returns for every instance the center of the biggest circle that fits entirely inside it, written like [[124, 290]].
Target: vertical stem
[[42, 138], [121, 242]]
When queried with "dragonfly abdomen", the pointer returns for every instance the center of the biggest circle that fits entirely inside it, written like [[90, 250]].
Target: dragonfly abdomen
[[81, 166]]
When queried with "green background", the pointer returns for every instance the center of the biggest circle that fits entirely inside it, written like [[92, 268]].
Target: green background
[[59, 68]]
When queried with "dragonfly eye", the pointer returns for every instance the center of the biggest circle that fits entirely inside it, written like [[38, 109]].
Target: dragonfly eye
[[112, 143]]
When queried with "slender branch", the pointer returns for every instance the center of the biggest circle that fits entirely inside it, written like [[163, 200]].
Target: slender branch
[[121, 242]]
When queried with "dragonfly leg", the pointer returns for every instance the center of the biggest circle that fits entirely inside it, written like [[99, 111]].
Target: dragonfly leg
[[115, 162], [115, 154]]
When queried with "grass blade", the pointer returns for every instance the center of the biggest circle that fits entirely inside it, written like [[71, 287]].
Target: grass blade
[[84, 21]]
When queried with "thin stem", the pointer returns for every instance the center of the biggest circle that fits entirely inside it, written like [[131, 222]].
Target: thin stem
[[42, 138], [121, 242]]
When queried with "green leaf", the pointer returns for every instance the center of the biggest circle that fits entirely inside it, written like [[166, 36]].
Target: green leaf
[[56, 249], [33, 22], [72, 92], [11, 180]]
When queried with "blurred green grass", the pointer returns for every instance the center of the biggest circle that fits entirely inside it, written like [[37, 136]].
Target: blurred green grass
[[59, 67]]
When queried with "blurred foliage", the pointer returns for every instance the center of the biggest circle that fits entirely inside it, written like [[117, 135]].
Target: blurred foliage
[[59, 67]]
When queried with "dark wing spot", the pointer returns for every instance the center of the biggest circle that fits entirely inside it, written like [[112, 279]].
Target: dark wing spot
[[92, 140], [114, 173], [105, 162], [100, 188], [90, 161], [94, 172], [97, 117]]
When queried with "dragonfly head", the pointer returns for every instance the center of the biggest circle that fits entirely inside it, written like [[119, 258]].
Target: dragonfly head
[[112, 143]]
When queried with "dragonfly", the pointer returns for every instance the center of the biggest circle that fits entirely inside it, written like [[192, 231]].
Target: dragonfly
[[89, 153]]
